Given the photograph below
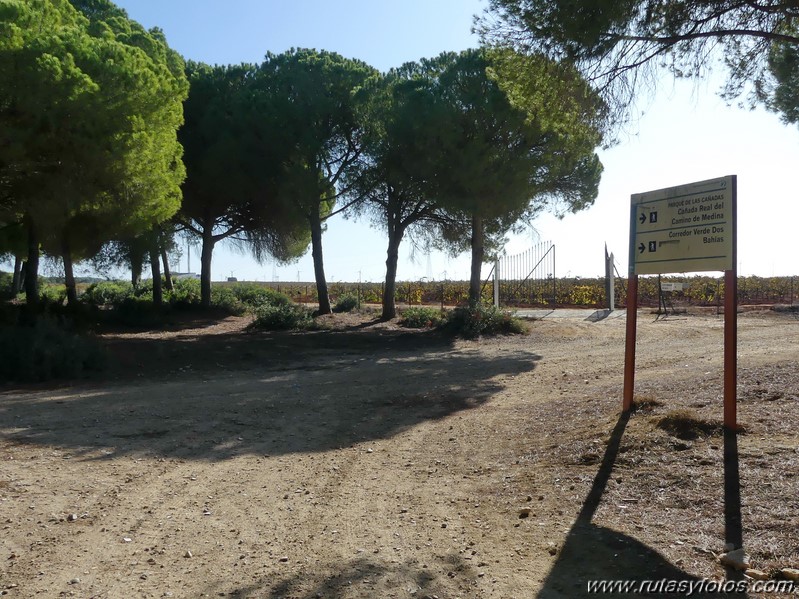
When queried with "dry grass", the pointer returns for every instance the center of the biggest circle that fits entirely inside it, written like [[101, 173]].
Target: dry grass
[[668, 480]]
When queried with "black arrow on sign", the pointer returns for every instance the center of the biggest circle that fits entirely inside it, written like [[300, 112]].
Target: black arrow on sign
[[643, 218], [641, 248]]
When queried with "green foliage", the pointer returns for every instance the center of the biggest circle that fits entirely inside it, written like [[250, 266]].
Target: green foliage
[[46, 351], [784, 68], [423, 318], [346, 303], [107, 293], [6, 281], [620, 43], [138, 311], [394, 182], [133, 306], [506, 152], [89, 105], [52, 294], [317, 99], [282, 318], [224, 298], [254, 295], [480, 320], [184, 292], [234, 158]]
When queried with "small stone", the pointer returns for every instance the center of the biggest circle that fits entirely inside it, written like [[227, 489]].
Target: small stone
[[127, 540], [552, 549], [735, 559], [75, 581], [72, 517], [143, 576], [524, 512], [284, 559], [756, 574], [188, 554], [790, 573]]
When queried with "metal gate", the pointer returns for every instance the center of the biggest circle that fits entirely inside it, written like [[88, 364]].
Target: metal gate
[[527, 279]]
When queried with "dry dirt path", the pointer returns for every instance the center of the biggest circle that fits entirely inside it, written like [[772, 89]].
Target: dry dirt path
[[385, 464]]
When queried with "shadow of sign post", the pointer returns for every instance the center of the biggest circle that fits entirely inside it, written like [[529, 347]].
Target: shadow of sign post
[[596, 553]]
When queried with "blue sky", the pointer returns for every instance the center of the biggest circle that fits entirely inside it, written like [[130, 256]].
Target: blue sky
[[684, 134]]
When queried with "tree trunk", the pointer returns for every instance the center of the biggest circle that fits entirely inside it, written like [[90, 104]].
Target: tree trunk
[[318, 263], [32, 267], [394, 239], [478, 251], [16, 282], [205, 266], [155, 267], [167, 273], [69, 273], [135, 269]]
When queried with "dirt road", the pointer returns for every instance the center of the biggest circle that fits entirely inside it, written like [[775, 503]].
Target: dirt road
[[373, 462]]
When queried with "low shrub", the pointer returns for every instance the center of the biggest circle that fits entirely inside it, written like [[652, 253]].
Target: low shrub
[[282, 318], [475, 321], [225, 299], [184, 292], [107, 293], [138, 311], [255, 296], [346, 303], [46, 350], [422, 318], [144, 288], [6, 281], [52, 294]]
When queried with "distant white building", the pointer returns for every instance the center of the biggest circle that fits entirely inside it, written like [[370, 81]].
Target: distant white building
[[185, 275]]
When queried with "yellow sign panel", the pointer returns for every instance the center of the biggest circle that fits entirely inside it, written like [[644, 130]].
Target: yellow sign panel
[[688, 228]]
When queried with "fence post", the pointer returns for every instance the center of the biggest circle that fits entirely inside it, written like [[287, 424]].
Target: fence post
[[610, 283], [496, 284], [554, 281]]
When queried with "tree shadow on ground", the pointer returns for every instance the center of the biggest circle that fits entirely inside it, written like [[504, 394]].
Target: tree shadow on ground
[[595, 553], [341, 390], [150, 357], [363, 577]]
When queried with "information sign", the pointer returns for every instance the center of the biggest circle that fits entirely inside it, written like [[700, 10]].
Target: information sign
[[688, 228]]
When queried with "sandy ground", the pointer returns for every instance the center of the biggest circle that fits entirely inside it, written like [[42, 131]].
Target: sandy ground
[[368, 461]]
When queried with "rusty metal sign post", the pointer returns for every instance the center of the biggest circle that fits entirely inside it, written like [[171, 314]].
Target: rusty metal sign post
[[688, 228]]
